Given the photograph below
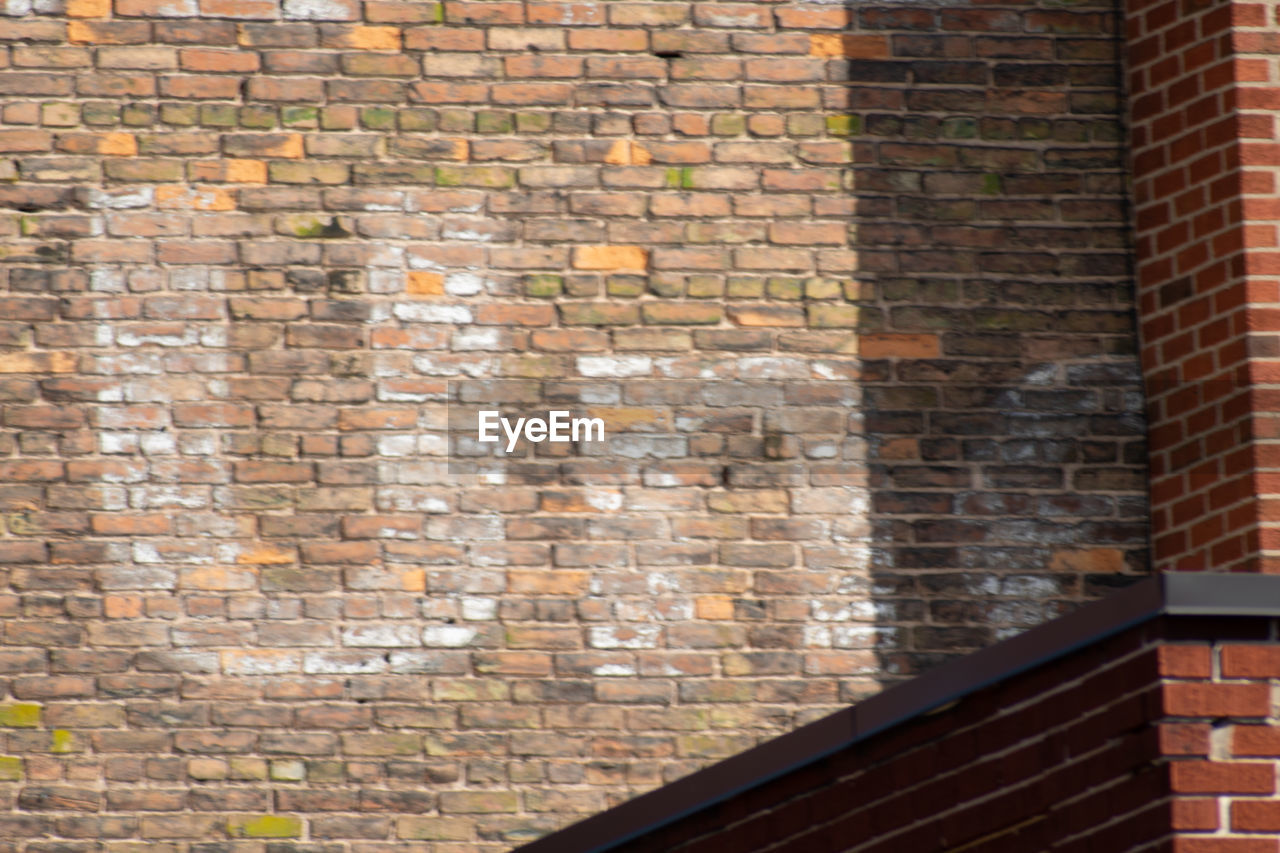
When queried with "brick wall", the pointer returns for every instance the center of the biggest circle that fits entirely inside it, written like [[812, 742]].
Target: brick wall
[[1157, 739], [1203, 117], [852, 284]]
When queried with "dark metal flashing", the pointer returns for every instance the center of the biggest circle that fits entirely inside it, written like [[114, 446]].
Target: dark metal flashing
[[1184, 594]]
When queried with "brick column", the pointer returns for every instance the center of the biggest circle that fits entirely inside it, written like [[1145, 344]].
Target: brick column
[[1201, 106]]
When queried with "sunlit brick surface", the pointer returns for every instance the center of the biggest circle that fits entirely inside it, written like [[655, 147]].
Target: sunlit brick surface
[[854, 281]]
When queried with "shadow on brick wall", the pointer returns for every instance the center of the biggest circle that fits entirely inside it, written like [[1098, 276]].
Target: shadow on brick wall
[[1002, 401]]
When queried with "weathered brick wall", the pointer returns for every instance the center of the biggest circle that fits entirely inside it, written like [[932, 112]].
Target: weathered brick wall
[[853, 282], [1159, 739]]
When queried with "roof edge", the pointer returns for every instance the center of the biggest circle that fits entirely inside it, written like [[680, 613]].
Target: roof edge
[[1173, 594]]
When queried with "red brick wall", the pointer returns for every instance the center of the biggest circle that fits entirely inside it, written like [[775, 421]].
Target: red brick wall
[[1202, 107], [857, 281], [1155, 740]]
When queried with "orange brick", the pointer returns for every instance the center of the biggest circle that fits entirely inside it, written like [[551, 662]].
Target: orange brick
[[130, 525], [374, 38], [155, 8], [807, 17], [118, 144], [624, 152], [231, 171], [219, 578], [122, 606], [610, 258], [242, 9], [218, 60], [88, 8], [424, 284], [847, 46], [714, 607], [267, 555], [37, 362], [108, 32], [177, 197], [559, 582]]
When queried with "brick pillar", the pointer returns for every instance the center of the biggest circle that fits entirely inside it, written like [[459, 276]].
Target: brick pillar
[[1202, 124]]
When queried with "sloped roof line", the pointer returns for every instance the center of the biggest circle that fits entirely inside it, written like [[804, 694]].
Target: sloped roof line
[[1170, 594]]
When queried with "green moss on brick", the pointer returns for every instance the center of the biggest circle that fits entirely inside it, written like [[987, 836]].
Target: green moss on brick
[[785, 288], [844, 125], [315, 228], [991, 184], [326, 771], [704, 286], [20, 715], [102, 113], [247, 769], [183, 115], [258, 118], [455, 121], [417, 120], [493, 177], [492, 121], [218, 115], [300, 116], [533, 122], [625, 285], [960, 128], [822, 288], [61, 741], [805, 125], [264, 826], [728, 124], [138, 115], [543, 286], [669, 285], [833, 316], [10, 768], [745, 287]]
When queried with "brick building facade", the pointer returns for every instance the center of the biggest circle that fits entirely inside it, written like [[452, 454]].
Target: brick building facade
[[851, 287]]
